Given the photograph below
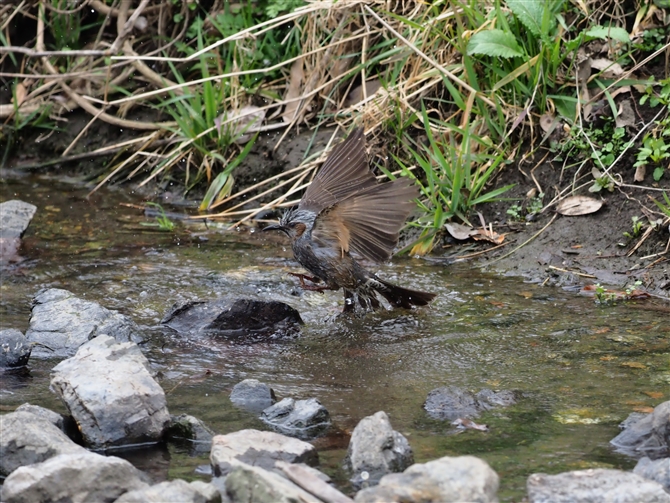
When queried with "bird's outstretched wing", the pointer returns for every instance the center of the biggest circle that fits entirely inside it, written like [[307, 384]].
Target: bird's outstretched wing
[[345, 172], [368, 221]]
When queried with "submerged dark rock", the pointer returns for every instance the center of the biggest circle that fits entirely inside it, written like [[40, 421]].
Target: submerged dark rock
[[451, 402], [304, 419], [253, 395], [60, 322], [14, 349], [234, 318], [188, 427], [646, 435], [15, 216], [376, 449]]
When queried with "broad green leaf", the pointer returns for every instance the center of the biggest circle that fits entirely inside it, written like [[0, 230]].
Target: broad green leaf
[[605, 32], [496, 43], [529, 13]]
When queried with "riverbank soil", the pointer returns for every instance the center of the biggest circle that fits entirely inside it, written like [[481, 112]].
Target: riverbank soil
[[598, 248]]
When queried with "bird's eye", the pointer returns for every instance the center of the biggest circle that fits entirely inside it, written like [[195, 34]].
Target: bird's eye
[[291, 225]]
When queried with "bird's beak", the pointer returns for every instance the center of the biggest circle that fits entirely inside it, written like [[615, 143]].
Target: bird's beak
[[273, 227]]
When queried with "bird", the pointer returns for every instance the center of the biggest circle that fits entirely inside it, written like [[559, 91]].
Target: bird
[[345, 215]]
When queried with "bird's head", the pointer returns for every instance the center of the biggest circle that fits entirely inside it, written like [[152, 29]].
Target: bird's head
[[294, 223]]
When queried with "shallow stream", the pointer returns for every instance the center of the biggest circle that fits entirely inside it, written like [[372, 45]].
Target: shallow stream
[[579, 368]]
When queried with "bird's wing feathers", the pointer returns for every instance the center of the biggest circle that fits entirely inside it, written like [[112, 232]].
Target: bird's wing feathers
[[345, 171], [368, 221]]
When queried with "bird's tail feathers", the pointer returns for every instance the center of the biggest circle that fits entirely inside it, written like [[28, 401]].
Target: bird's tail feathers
[[404, 297]]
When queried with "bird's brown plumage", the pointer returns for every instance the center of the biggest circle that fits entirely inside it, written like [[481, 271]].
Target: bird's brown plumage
[[346, 214]]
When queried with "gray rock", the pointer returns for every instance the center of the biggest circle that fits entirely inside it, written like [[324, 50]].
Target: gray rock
[[81, 478], [450, 402], [110, 393], [232, 318], [447, 480], [648, 436], [658, 470], [61, 322], [209, 491], [253, 395], [258, 448], [311, 480], [188, 427], [14, 348], [375, 450], [309, 470], [27, 439], [304, 419], [489, 399], [594, 486], [53, 417], [632, 418], [173, 491], [251, 484], [15, 216]]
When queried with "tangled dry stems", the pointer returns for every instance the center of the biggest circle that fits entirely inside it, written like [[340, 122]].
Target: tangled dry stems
[[339, 40]]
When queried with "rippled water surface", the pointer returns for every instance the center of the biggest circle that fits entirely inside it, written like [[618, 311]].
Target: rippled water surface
[[580, 368]]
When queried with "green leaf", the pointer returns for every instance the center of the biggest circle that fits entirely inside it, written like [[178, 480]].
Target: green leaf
[[221, 185], [658, 173], [529, 13], [606, 32], [496, 43]]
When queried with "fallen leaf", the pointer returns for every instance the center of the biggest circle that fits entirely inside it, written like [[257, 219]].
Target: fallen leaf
[[468, 424], [634, 365], [547, 122], [640, 172], [609, 68], [526, 295], [645, 409], [356, 94], [458, 231], [625, 114], [486, 235], [608, 358], [601, 330], [578, 205], [497, 304], [293, 91], [576, 246], [653, 394]]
